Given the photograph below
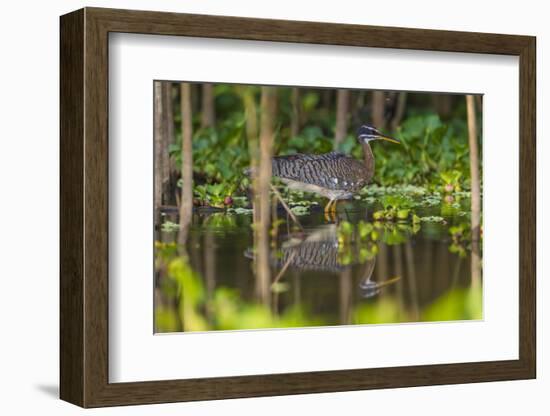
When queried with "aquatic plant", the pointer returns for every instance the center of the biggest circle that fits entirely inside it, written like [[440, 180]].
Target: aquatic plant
[[219, 195]]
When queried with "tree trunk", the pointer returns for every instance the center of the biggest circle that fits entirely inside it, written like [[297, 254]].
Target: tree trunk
[[164, 136], [267, 122], [359, 112], [195, 91], [346, 296], [208, 113], [475, 188], [443, 104], [210, 261], [474, 166], [326, 99], [399, 110], [295, 116], [158, 148], [382, 263], [186, 204], [342, 107], [378, 107], [398, 271], [411, 278], [252, 138], [168, 178]]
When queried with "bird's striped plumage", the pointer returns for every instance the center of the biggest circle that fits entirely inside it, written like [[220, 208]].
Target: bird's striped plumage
[[334, 175]]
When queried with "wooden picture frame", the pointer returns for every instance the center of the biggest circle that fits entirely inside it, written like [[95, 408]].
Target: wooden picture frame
[[84, 207]]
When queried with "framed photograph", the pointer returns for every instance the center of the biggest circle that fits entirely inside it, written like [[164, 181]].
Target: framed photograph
[[256, 207]]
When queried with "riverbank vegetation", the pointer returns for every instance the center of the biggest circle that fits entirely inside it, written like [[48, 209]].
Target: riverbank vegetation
[[428, 188]]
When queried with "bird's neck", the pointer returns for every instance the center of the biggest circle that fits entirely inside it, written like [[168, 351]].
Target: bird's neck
[[369, 159]]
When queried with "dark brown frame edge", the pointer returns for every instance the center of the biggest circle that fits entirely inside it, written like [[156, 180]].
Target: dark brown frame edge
[[84, 207]]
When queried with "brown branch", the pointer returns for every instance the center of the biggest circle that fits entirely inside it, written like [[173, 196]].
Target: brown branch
[[186, 205], [286, 207], [474, 166], [283, 269], [475, 190], [261, 227], [158, 147]]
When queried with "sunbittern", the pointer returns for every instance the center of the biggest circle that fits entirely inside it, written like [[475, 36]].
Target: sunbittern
[[333, 175]]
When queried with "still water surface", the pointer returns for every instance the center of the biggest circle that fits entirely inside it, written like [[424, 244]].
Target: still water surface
[[397, 272]]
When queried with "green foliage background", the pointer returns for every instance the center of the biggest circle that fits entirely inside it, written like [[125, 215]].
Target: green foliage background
[[434, 147]]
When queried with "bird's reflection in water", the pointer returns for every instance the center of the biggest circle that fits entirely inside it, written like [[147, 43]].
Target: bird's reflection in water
[[320, 250], [316, 250], [369, 287]]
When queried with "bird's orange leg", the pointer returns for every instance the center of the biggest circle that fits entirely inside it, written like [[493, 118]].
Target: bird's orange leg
[[333, 210], [328, 205], [328, 210]]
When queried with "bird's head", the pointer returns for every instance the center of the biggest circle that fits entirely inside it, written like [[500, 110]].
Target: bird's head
[[367, 133]]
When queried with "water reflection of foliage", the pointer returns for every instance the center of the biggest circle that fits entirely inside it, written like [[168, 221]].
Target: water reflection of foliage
[[396, 203], [456, 304], [184, 305], [390, 233], [225, 310]]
